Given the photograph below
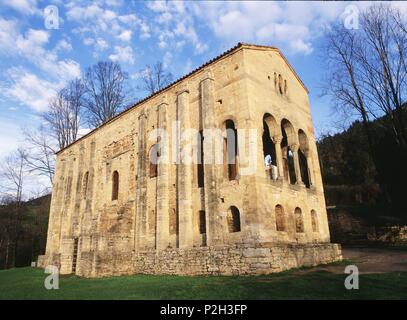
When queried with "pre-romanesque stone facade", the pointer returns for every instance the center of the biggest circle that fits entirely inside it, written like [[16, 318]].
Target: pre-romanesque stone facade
[[126, 200]]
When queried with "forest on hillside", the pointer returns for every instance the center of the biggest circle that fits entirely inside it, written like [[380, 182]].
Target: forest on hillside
[[29, 232], [353, 174]]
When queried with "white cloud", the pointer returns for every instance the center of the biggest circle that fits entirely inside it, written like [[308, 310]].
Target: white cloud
[[32, 42], [175, 20], [145, 30], [291, 26], [162, 44], [10, 137], [123, 54], [114, 3], [128, 19], [79, 13], [31, 47], [157, 6], [34, 89], [125, 35], [101, 44], [29, 90], [63, 45], [27, 7], [88, 41], [83, 131], [167, 59], [103, 28], [188, 66], [301, 46], [7, 35]]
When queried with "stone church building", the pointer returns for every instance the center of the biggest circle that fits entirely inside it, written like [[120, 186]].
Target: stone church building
[[124, 201]]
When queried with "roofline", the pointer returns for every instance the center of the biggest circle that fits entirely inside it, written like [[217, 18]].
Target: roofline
[[239, 46]]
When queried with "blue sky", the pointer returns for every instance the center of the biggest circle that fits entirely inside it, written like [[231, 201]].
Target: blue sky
[[36, 61]]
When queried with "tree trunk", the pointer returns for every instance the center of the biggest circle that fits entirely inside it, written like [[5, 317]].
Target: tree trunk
[[7, 254]]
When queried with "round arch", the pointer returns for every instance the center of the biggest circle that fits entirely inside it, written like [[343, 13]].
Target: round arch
[[303, 141], [303, 158], [288, 139]]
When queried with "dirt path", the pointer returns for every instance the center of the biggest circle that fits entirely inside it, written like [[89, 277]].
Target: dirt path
[[369, 260]]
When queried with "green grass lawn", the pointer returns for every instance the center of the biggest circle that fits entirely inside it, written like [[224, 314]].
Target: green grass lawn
[[28, 283]]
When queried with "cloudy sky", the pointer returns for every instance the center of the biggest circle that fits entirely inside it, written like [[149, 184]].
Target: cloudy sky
[[35, 61]]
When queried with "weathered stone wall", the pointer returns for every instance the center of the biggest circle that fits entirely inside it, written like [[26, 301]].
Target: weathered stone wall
[[92, 232], [244, 259], [235, 259]]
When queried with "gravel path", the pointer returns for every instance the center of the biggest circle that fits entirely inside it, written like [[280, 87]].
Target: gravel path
[[369, 260]]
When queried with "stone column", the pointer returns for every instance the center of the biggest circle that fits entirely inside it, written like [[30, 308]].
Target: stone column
[[184, 174], [54, 222], [162, 205], [310, 168], [214, 229], [294, 149], [141, 193], [279, 156]]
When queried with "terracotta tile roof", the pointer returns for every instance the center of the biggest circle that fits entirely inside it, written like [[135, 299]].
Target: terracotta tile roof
[[222, 55]]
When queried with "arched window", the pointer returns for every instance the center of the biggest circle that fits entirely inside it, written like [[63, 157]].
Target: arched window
[[269, 151], [231, 149], [285, 87], [302, 151], [115, 186], [85, 184], [299, 222], [233, 219], [200, 165], [153, 161], [288, 134], [280, 218], [314, 221]]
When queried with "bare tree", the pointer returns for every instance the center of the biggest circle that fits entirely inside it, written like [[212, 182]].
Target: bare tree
[[105, 92], [13, 174], [343, 82], [383, 65], [63, 116], [40, 154], [367, 74], [154, 78]]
